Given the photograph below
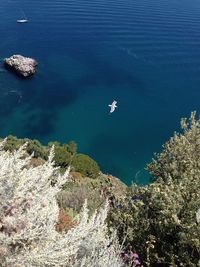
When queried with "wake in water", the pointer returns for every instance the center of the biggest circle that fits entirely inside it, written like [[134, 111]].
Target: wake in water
[[141, 176], [2, 70], [130, 52], [14, 92], [137, 174]]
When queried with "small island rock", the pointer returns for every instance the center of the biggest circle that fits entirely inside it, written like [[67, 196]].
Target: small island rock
[[23, 66]]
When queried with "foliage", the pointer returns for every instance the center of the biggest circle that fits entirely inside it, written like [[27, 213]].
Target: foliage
[[34, 146], [180, 158], [54, 143], [160, 220], [72, 147], [29, 213], [12, 143], [75, 197], [62, 156], [85, 165], [65, 154], [79, 188], [64, 221]]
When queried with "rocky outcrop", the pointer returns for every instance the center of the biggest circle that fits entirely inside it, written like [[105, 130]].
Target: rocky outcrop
[[23, 66]]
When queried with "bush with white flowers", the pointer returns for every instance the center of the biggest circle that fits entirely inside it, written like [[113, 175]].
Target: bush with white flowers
[[29, 213]]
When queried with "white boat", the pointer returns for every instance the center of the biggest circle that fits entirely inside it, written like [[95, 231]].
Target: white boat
[[22, 20]]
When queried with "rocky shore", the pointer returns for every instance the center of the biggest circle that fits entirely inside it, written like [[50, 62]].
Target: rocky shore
[[23, 66]]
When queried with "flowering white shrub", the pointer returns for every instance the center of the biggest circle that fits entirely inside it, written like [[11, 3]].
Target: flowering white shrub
[[29, 213], [198, 216]]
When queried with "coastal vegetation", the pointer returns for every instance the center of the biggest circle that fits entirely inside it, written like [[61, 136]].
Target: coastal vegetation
[[156, 225], [29, 230], [160, 220], [64, 154], [85, 165]]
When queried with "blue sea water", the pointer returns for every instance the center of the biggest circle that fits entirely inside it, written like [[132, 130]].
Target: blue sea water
[[143, 53]]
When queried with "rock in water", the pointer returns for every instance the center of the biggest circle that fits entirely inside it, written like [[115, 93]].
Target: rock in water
[[23, 66]]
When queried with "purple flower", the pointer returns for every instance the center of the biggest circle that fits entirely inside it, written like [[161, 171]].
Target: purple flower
[[136, 262], [126, 255], [135, 256]]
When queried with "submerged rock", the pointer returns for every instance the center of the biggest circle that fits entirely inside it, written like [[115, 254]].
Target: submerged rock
[[23, 66]]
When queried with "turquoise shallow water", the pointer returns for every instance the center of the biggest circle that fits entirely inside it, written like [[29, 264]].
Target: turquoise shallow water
[[144, 54]]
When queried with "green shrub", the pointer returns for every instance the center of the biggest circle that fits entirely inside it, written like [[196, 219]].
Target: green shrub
[[85, 165], [55, 143], [13, 143], [62, 157], [72, 198], [72, 147], [63, 153], [34, 146], [159, 220]]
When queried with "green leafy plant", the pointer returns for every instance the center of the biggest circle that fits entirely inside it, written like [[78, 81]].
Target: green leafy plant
[[160, 220], [62, 156], [85, 165]]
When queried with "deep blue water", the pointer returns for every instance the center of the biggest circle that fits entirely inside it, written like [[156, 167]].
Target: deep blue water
[[143, 53]]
